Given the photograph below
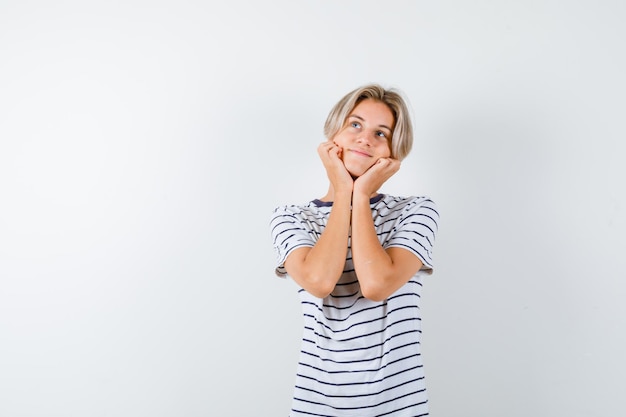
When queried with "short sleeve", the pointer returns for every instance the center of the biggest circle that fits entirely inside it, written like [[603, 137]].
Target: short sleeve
[[289, 232], [415, 230]]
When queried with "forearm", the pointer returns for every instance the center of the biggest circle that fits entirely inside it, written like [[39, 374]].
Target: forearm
[[372, 264], [322, 266]]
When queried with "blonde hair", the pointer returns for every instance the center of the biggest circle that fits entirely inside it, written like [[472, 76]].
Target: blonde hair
[[402, 137]]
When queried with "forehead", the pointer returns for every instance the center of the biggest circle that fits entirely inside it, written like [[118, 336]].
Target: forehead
[[374, 112]]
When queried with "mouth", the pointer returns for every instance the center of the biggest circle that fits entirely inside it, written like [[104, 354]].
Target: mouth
[[360, 153]]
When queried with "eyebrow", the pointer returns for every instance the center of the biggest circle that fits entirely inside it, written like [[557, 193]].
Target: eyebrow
[[356, 116]]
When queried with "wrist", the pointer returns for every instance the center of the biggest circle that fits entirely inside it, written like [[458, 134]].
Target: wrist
[[359, 196], [360, 189], [343, 195]]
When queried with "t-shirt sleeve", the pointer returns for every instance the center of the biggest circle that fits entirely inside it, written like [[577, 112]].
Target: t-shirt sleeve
[[289, 232], [415, 230]]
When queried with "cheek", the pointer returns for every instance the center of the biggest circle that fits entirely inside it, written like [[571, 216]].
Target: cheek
[[386, 151], [339, 138]]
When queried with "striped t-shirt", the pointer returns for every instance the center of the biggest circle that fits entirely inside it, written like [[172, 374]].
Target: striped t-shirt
[[361, 357]]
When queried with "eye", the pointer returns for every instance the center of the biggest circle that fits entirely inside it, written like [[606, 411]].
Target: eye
[[381, 134], [355, 125]]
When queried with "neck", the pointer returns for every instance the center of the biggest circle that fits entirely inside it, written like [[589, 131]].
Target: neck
[[330, 194]]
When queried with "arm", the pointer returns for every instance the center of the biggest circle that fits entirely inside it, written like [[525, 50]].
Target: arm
[[317, 269], [380, 272]]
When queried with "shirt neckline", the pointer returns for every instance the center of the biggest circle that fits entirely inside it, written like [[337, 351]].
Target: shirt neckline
[[320, 203]]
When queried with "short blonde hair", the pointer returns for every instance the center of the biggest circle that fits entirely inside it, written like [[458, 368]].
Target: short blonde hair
[[402, 137]]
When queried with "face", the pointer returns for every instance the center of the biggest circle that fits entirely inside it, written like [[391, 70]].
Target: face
[[365, 136]]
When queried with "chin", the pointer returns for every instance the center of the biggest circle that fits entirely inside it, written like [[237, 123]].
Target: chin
[[357, 171]]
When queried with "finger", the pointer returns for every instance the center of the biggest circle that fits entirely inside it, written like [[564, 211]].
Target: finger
[[325, 148], [381, 164], [326, 143], [330, 147], [389, 163]]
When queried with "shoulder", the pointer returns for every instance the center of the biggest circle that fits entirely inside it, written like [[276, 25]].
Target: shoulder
[[309, 207], [398, 204], [309, 210]]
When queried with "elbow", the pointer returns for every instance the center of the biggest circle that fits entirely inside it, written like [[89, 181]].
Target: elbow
[[319, 293], [319, 288], [374, 292]]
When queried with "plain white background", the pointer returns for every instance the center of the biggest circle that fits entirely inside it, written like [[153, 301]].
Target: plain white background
[[144, 144]]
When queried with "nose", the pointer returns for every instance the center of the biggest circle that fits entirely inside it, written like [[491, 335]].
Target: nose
[[363, 138]]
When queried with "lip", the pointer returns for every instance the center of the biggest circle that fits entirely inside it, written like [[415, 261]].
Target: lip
[[361, 153]]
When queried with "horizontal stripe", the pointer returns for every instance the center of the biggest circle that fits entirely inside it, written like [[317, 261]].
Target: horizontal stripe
[[365, 335], [369, 406], [376, 370], [368, 394]]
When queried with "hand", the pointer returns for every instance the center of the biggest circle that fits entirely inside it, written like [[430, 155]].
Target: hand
[[338, 175], [376, 175]]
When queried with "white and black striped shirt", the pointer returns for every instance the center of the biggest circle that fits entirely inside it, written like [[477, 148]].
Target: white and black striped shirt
[[361, 357]]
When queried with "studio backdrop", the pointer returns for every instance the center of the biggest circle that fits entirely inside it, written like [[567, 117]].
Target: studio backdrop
[[144, 145]]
